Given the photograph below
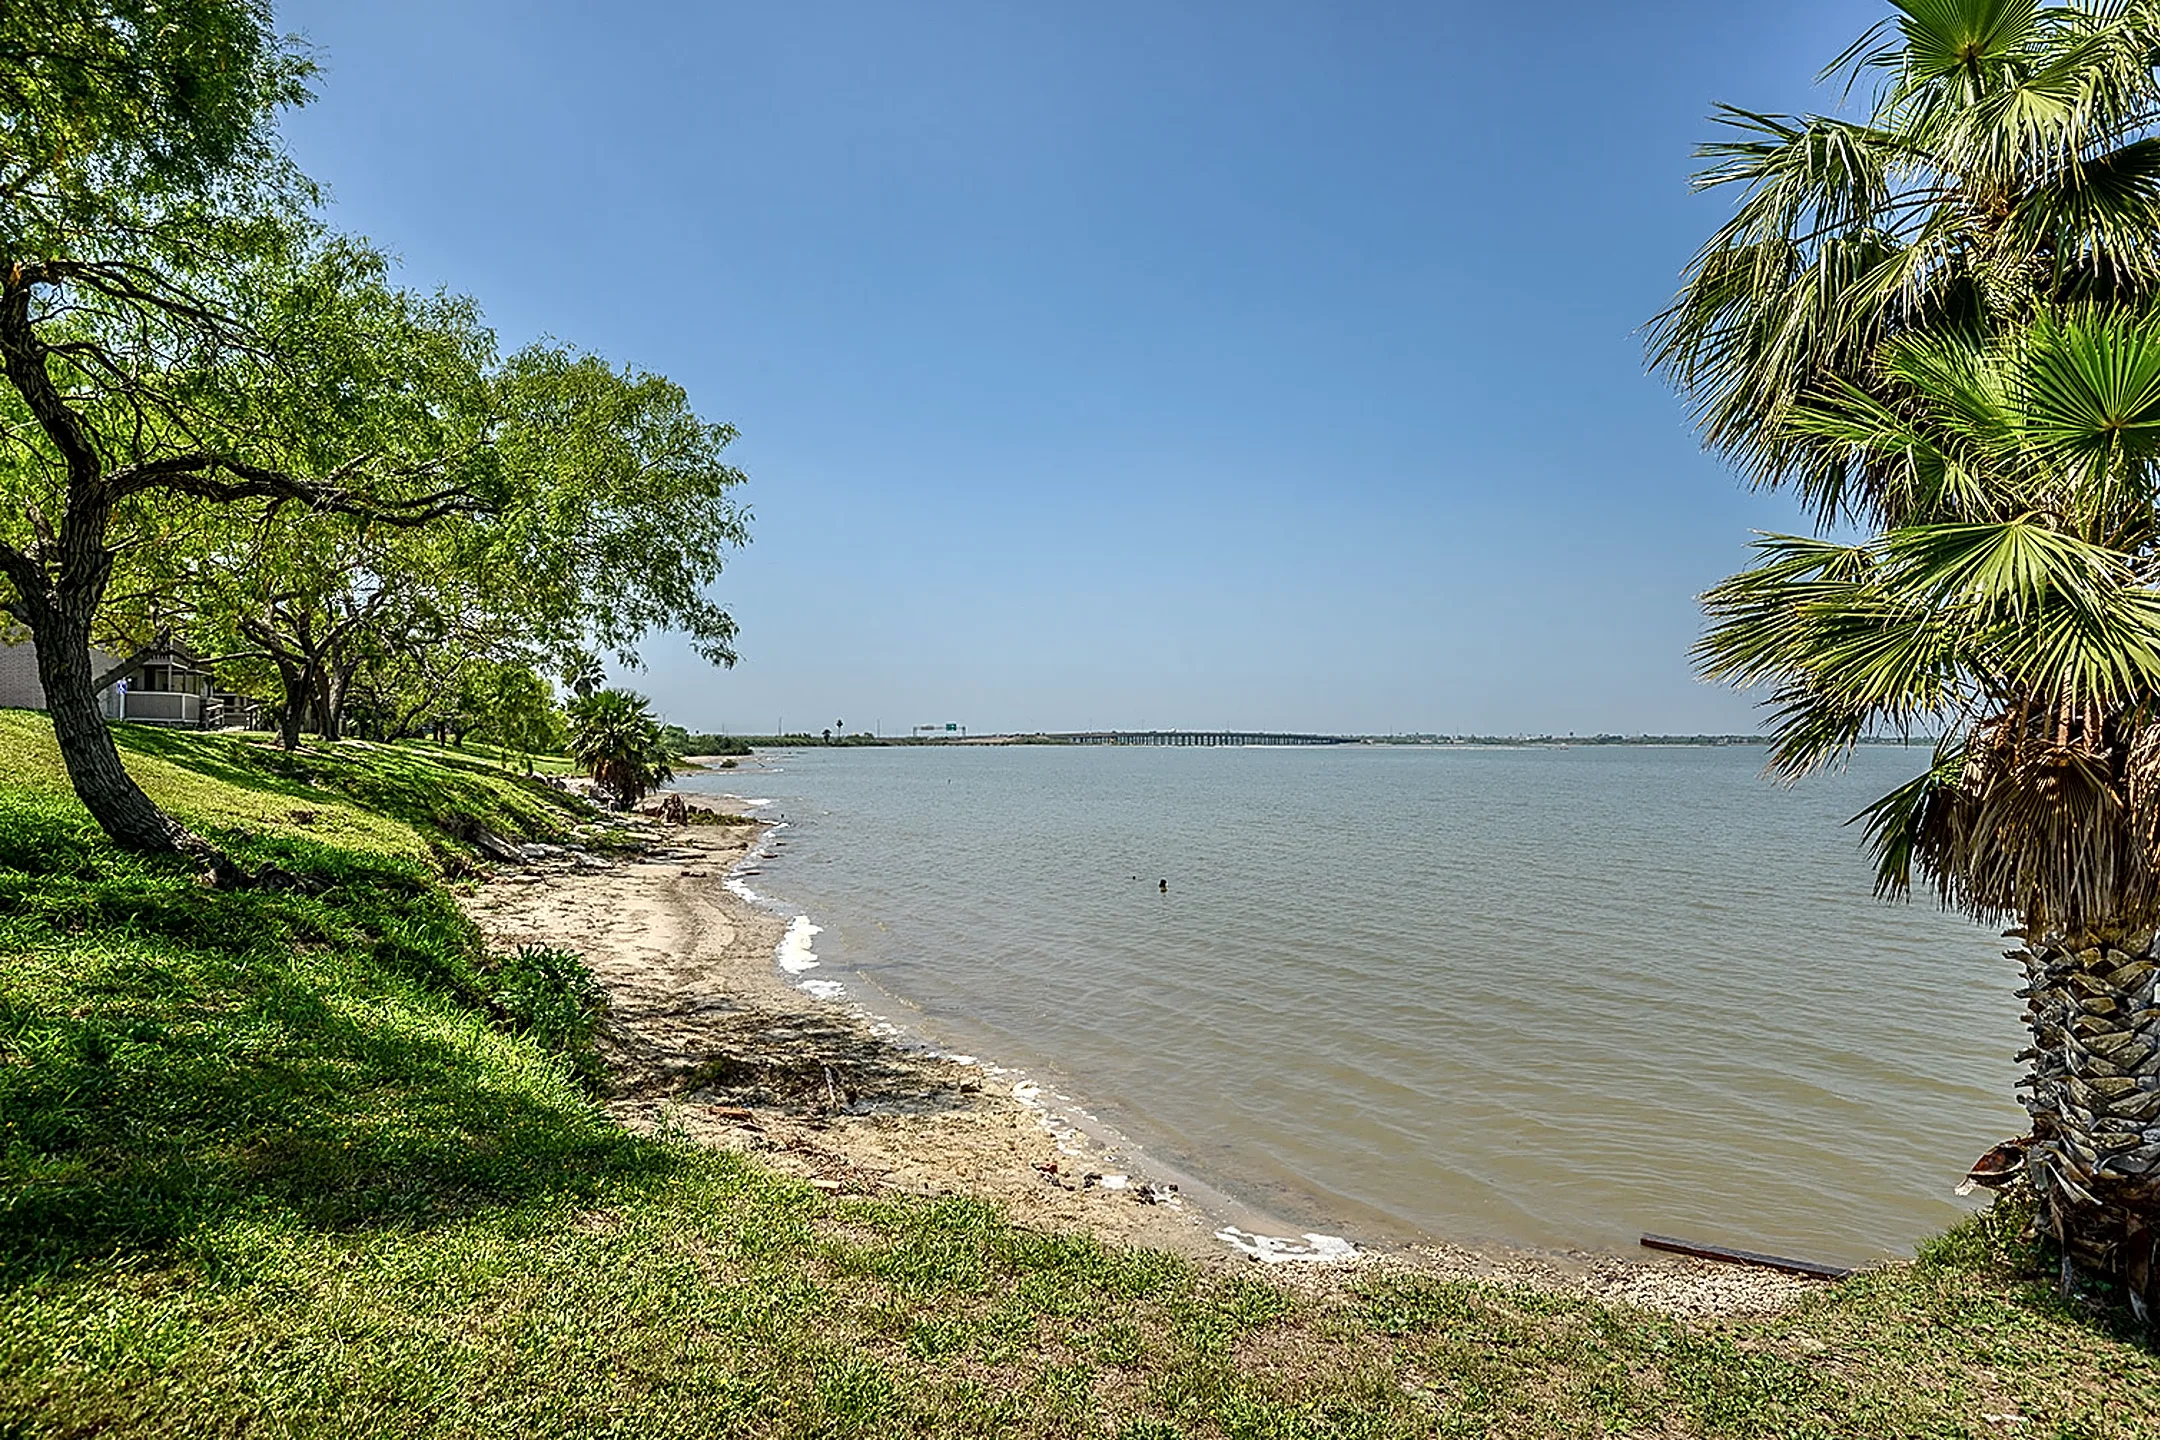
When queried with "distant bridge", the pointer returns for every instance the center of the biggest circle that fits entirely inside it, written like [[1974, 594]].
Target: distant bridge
[[1186, 737]]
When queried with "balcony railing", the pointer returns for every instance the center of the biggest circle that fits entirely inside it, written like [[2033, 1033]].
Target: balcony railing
[[162, 707]]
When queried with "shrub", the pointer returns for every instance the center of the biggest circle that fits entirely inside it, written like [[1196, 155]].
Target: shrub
[[549, 994]]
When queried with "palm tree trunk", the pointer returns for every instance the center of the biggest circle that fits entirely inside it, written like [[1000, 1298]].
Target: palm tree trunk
[[2093, 1004]]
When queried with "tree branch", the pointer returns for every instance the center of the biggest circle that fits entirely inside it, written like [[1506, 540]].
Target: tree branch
[[23, 356], [26, 575], [198, 475]]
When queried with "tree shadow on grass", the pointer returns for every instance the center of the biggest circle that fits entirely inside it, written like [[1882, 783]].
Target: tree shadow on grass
[[421, 791], [171, 1056]]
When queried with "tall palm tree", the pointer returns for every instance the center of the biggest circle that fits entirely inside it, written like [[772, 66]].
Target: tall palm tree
[[2008, 165], [2015, 604], [1928, 323]]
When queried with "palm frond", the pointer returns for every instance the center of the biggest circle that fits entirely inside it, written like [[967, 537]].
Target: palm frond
[[1897, 827]]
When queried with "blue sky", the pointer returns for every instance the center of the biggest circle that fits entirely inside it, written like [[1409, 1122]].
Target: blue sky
[[1254, 364]]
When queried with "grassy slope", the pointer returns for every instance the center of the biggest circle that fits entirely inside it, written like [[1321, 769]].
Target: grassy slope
[[275, 1163], [514, 760]]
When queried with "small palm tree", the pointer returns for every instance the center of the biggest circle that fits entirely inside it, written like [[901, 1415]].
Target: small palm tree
[[2016, 607], [615, 739]]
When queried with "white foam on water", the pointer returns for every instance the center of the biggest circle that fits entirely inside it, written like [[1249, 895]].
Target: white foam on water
[[757, 854], [1280, 1250], [795, 955]]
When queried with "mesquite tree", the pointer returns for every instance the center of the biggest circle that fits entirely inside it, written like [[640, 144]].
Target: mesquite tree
[[136, 160], [390, 392], [145, 209], [602, 510]]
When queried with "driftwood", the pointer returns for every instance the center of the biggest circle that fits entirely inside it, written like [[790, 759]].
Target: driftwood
[[1810, 1268], [486, 841]]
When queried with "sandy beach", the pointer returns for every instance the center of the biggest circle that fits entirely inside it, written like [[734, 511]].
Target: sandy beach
[[708, 1038]]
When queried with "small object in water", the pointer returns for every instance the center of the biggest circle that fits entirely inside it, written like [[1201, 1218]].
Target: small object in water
[[1163, 885]]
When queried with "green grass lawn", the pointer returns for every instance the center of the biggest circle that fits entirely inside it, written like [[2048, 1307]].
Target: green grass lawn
[[275, 1163], [495, 755]]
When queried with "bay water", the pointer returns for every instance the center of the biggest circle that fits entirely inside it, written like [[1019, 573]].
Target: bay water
[[1542, 996]]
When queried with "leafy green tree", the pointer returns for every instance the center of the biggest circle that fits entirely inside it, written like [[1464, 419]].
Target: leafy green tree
[[143, 202], [602, 511], [620, 510], [591, 507], [615, 739], [510, 705], [395, 383], [583, 673], [134, 139]]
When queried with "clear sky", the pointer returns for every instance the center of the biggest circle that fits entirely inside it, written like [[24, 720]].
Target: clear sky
[[1119, 365]]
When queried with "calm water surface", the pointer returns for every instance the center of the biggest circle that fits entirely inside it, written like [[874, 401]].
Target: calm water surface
[[1553, 996]]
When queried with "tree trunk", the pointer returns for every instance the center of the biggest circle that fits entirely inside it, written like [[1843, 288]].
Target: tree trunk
[[107, 791], [296, 684], [2093, 1003], [58, 595], [341, 683], [326, 706]]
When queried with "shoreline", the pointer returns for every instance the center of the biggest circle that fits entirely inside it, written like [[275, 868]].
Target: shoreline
[[713, 1035]]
